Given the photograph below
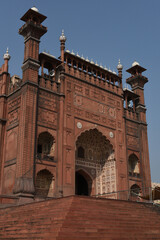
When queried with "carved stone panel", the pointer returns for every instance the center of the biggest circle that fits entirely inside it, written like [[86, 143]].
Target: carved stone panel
[[14, 104], [133, 142], [47, 117], [13, 116], [49, 104], [132, 129]]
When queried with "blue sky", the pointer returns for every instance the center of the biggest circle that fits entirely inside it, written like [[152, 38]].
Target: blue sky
[[100, 30]]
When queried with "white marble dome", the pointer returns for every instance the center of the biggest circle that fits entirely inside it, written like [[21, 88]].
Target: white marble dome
[[6, 56], [35, 9], [62, 37], [135, 63], [119, 66]]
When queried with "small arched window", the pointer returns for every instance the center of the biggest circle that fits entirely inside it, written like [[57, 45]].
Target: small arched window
[[80, 152], [133, 163], [46, 146]]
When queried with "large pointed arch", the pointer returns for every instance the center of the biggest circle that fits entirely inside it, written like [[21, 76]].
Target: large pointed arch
[[95, 155]]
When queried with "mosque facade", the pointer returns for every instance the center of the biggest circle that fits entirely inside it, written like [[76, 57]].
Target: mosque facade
[[69, 127]]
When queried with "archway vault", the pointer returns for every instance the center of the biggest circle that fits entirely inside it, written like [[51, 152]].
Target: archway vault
[[95, 155]]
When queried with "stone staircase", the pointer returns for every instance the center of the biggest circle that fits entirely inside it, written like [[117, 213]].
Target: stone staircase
[[79, 217]]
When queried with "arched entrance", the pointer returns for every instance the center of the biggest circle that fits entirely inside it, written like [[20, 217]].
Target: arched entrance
[[83, 183], [95, 156]]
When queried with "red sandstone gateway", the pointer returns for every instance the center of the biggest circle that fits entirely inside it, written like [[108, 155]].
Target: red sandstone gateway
[[75, 130]]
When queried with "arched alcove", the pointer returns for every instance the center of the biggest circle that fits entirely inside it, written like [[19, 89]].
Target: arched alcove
[[133, 166], [46, 146], [81, 152], [44, 186], [97, 159]]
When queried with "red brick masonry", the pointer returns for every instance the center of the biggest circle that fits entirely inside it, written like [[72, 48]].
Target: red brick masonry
[[75, 217]]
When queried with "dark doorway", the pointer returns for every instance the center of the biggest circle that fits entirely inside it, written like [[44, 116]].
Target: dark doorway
[[81, 185]]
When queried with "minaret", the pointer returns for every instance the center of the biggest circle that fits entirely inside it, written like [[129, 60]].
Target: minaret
[[62, 40], [137, 82], [119, 68], [4, 78], [32, 31], [6, 58]]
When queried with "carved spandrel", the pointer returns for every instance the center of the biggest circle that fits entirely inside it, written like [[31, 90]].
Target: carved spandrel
[[95, 117], [96, 107]]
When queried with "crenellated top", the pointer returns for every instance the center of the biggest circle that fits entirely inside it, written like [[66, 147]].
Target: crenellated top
[[84, 65]]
